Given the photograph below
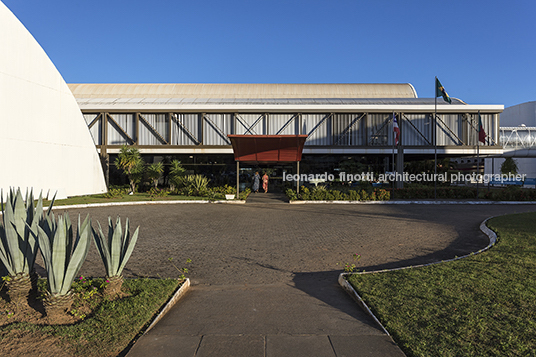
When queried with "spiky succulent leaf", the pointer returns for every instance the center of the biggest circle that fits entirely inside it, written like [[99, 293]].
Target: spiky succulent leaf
[[126, 239], [46, 252], [59, 252], [49, 211], [102, 247], [19, 213], [5, 257], [33, 215], [115, 246], [61, 263], [79, 254], [12, 237], [70, 241], [129, 249]]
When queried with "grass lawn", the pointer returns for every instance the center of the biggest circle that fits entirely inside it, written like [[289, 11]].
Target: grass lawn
[[105, 332], [484, 305], [100, 198]]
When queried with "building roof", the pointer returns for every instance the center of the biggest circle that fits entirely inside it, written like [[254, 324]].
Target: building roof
[[273, 97], [249, 91]]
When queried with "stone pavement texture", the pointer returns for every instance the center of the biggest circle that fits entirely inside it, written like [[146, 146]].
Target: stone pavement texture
[[264, 274]]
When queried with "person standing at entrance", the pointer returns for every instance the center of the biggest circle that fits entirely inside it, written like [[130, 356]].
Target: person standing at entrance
[[256, 182], [265, 182]]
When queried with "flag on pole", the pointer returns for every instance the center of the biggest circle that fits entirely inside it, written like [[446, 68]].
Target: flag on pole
[[441, 92], [481, 133], [396, 129]]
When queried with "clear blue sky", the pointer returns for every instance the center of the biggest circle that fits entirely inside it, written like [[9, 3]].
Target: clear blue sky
[[484, 52]]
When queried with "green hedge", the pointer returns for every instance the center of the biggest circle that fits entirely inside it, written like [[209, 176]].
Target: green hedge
[[510, 193], [320, 193]]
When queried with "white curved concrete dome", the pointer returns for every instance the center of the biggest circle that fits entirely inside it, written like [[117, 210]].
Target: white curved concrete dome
[[44, 141]]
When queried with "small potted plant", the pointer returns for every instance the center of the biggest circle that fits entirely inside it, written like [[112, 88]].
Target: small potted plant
[[229, 192]]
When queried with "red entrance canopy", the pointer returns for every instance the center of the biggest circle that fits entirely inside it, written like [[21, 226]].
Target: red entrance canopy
[[268, 148]]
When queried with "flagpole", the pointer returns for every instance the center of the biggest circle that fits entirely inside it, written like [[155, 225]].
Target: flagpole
[[478, 155], [434, 131], [393, 164]]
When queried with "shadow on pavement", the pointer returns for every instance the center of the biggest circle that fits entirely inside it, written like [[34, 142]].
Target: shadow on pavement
[[323, 286]]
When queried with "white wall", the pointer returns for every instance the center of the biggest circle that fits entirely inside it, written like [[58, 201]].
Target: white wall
[[44, 140]]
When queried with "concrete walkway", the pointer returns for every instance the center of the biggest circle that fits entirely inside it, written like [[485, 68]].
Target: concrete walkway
[[264, 276]]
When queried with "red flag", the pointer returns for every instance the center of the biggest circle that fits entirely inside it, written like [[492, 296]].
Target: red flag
[[396, 129], [481, 133]]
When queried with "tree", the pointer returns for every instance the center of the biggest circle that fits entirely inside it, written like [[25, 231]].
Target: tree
[[154, 171], [130, 161], [509, 166], [175, 173]]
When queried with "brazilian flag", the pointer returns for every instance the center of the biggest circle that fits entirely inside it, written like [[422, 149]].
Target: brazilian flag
[[441, 92]]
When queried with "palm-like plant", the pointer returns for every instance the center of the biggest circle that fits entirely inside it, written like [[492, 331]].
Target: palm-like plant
[[18, 244], [129, 160], [63, 255], [115, 250], [175, 173], [154, 171]]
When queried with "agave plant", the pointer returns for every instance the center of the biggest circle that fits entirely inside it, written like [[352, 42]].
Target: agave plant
[[115, 250], [18, 244], [63, 256], [200, 183]]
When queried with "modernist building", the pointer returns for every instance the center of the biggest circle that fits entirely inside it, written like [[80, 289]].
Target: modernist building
[[341, 121], [44, 140]]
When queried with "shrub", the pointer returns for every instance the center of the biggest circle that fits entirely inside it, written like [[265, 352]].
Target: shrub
[[339, 196], [291, 194], [244, 194], [223, 190], [353, 195], [319, 193], [305, 194], [116, 192], [155, 192], [193, 185], [382, 195], [509, 166]]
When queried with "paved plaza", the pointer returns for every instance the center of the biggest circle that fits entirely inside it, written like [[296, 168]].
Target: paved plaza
[[264, 274]]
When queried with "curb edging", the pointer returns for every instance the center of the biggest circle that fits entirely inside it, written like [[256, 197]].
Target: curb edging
[[414, 202], [176, 297], [141, 203], [351, 291]]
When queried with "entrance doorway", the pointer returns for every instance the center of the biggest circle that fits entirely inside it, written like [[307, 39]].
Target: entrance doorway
[[273, 153]]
